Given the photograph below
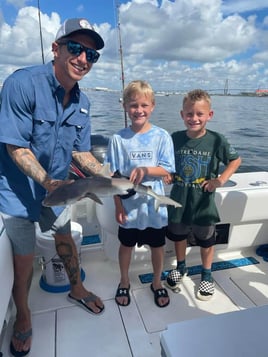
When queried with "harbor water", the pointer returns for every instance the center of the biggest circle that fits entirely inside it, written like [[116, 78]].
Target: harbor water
[[242, 119]]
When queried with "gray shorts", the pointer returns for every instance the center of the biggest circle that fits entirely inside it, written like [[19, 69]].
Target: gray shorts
[[22, 232], [204, 235]]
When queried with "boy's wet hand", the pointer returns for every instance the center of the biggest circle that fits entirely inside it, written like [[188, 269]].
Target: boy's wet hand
[[168, 179], [211, 185], [137, 175]]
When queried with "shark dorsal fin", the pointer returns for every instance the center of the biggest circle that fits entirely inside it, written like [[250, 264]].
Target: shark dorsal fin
[[94, 197]]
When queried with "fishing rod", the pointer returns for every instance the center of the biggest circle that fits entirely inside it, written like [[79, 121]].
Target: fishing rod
[[121, 54], [40, 30]]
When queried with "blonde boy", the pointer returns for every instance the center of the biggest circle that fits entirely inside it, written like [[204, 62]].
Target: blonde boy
[[144, 153]]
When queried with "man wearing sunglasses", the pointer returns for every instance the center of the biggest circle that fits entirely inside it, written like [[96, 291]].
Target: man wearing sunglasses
[[44, 125]]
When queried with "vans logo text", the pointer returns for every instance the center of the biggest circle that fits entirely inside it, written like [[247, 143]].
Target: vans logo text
[[141, 155]]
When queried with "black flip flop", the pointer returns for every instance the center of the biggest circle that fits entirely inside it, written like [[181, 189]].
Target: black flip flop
[[21, 336], [158, 293], [122, 292], [83, 303]]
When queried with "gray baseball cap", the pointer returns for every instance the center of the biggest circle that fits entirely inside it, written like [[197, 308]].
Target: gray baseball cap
[[80, 25]]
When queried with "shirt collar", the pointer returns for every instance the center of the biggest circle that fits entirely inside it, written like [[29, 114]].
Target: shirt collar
[[56, 86]]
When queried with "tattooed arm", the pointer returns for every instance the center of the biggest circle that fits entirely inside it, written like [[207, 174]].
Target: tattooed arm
[[87, 162], [28, 164]]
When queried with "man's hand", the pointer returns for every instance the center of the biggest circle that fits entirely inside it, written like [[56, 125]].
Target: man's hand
[[51, 184]]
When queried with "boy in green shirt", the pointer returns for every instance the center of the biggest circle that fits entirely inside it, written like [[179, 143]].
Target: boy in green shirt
[[198, 154]]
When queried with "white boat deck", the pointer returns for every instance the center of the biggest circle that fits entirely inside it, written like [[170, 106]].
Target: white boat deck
[[61, 329]]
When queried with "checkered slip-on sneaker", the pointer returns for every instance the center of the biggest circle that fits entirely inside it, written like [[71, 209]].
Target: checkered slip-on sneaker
[[205, 290], [174, 278]]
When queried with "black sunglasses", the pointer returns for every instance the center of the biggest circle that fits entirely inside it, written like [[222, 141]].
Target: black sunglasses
[[76, 49]]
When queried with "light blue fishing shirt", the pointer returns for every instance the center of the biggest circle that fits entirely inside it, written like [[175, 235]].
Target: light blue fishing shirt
[[32, 116], [127, 150]]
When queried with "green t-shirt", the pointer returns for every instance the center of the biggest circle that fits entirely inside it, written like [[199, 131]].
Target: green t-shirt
[[197, 160]]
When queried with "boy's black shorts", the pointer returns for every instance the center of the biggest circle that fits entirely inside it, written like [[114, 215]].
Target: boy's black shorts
[[154, 237]]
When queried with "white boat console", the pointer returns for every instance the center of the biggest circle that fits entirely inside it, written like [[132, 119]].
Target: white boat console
[[233, 334]]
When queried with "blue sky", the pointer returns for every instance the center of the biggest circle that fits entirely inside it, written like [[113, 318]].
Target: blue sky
[[176, 45]]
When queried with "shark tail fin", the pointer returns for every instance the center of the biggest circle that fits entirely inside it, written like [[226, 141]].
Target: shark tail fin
[[164, 200]]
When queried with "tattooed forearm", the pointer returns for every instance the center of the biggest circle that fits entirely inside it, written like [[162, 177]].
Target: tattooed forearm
[[87, 162], [28, 164]]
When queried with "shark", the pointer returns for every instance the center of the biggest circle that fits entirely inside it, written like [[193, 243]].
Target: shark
[[95, 187]]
